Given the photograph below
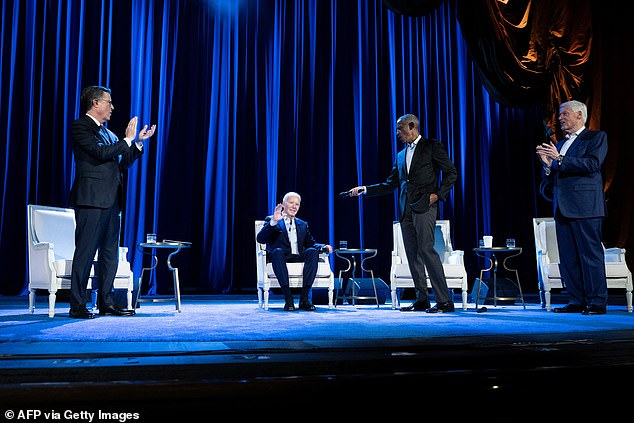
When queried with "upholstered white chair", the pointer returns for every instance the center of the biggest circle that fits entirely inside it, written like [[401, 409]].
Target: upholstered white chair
[[547, 256], [267, 280], [452, 263], [51, 240]]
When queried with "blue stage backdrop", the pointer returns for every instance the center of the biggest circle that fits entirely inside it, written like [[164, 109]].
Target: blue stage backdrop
[[253, 99]]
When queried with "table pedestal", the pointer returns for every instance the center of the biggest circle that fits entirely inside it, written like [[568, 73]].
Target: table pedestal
[[177, 246], [493, 265], [349, 256]]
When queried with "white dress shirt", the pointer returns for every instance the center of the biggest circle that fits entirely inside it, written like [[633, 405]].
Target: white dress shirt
[[291, 228], [410, 152]]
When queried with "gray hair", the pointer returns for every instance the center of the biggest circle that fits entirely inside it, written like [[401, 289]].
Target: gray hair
[[291, 194], [577, 106]]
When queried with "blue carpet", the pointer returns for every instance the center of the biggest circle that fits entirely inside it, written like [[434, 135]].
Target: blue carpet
[[242, 320]]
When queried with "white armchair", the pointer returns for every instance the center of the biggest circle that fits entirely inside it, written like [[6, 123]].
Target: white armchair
[[547, 256], [452, 263], [51, 239], [266, 277]]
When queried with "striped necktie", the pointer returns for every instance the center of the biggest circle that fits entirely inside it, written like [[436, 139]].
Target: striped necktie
[[105, 135]]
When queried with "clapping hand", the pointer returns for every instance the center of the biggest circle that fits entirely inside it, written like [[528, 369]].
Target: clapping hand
[[145, 133], [547, 152]]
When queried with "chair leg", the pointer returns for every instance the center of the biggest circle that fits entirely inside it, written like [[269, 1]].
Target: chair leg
[[330, 297], [465, 297], [542, 299], [547, 298], [129, 299], [51, 304], [31, 301], [394, 299], [260, 297], [266, 299], [628, 298]]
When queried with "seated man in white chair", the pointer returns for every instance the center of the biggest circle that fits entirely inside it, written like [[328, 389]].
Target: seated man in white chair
[[288, 240]]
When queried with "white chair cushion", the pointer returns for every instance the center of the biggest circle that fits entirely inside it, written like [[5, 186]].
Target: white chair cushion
[[296, 269], [552, 270], [63, 269], [615, 270], [401, 271]]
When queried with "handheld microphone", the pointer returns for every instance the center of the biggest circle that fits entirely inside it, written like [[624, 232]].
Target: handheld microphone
[[344, 194]]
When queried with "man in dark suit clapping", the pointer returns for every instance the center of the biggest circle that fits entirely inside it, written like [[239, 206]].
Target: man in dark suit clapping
[[573, 167], [97, 195]]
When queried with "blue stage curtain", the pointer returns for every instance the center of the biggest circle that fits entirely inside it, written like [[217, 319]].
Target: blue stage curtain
[[253, 99]]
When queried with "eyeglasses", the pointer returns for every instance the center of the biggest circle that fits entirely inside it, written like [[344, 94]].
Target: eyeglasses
[[103, 99]]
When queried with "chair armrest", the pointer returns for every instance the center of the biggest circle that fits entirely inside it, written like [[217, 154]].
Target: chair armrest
[[325, 258], [39, 246], [614, 255], [41, 258], [456, 257]]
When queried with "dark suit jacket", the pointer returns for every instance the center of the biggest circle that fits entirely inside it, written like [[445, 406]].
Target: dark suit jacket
[[578, 184], [276, 236], [98, 179], [415, 187]]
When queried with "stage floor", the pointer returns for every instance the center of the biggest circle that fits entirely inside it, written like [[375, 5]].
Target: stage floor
[[224, 351]]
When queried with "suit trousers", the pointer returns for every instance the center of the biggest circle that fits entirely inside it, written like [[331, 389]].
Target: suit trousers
[[582, 260], [96, 229], [279, 257], [418, 231]]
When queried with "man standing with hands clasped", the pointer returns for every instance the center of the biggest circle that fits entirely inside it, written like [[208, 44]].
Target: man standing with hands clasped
[[416, 176], [97, 197], [573, 167]]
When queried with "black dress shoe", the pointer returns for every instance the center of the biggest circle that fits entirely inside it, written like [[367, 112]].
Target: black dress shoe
[[289, 305], [81, 314], [447, 307], [417, 306], [593, 309], [569, 308], [306, 305], [115, 311]]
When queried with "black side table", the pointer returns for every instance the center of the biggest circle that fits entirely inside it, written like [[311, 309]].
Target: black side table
[[349, 255], [490, 254], [150, 248]]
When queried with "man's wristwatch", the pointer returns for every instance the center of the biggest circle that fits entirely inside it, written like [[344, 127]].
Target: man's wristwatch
[[560, 158]]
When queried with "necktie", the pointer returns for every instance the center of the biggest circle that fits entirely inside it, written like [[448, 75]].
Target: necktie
[[108, 139], [292, 236], [105, 135]]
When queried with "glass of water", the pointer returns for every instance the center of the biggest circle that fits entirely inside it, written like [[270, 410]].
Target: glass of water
[[510, 243]]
